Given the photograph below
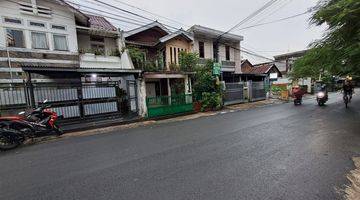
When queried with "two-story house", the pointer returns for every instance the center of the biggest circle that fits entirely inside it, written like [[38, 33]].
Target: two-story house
[[104, 60], [76, 61], [164, 84], [224, 48], [285, 63], [38, 36]]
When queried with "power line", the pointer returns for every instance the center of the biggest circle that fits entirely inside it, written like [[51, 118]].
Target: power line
[[248, 51], [154, 14], [113, 18], [132, 13], [278, 20], [286, 2], [255, 13], [137, 22], [252, 15], [102, 11], [114, 7], [123, 10]]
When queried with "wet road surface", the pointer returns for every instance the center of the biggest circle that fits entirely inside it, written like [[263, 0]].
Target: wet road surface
[[274, 152]]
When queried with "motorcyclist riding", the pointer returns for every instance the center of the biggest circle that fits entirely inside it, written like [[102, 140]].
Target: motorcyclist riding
[[348, 88], [323, 88], [297, 93]]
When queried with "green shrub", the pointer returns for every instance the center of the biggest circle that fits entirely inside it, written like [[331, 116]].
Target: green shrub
[[212, 101]]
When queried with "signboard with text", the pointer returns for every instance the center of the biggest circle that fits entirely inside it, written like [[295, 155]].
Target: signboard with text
[[216, 69], [274, 76]]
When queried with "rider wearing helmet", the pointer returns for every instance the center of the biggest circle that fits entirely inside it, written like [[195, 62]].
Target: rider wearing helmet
[[348, 88]]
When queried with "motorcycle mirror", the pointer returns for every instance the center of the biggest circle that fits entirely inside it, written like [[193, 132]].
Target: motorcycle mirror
[[21, 113]]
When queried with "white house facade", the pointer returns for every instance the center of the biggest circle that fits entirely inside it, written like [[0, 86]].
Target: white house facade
[[207, 40], [50, 50]]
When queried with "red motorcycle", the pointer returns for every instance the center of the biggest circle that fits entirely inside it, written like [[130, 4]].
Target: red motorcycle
[[297, 94], [38, 123]]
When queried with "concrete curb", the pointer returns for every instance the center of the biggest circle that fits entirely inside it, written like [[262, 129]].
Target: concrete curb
[[97, 129]]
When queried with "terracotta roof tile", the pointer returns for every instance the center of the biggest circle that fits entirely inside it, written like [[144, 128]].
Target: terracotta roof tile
[[98, 22], [258, 69]]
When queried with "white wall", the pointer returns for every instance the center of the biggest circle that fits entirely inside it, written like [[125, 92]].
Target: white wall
[[208, 48], [222, 53], [106, 61], [61, 16], [235, 55]]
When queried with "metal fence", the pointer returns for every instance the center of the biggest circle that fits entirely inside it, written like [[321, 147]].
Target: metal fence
[[234, 93], [13, 98], [258, 91], [168, 105], [241, 92], [71, 100]]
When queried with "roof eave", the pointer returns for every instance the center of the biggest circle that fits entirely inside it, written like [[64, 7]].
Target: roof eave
[[216, 33], [146, 27]]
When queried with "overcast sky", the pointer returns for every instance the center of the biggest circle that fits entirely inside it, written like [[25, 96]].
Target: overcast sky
[[268, 40]]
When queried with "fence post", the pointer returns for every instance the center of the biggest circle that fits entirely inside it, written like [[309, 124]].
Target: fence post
[[30, 91], [80, 99], [250, 92]]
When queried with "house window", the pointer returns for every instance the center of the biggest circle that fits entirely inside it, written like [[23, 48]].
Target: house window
[[60, 43], [39, 40], [171, 55], [14, 38], [59, 27], [175, 55], [12, 20], [38, 24], [227, 53], [201, 50]]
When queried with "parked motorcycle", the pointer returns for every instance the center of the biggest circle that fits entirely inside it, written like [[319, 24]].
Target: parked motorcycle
[[38, 123], [321, 98]]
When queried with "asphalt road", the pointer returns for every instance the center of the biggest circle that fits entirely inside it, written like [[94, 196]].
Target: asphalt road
[[274, 152]]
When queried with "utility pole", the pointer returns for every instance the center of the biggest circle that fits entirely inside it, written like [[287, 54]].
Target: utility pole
[[9, 63]]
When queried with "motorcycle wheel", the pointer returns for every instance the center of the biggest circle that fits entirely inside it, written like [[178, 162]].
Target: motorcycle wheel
[[6, 143]]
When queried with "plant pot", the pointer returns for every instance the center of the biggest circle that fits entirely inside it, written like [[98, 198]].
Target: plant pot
[[197, 106]]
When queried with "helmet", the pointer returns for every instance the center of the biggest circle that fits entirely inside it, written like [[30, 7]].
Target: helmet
[[348, 78]]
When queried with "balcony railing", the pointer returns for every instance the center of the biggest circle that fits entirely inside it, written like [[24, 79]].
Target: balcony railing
[[228, 63], [89, 60], [150, 66]]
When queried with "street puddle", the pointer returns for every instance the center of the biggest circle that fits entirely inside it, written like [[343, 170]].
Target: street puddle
[[352, 191]]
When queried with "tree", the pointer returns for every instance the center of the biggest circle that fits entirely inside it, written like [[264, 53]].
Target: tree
[[205, 88], [188, 61], [338, 52]]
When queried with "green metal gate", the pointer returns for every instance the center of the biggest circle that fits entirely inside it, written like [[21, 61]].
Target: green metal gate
[[169, 105]]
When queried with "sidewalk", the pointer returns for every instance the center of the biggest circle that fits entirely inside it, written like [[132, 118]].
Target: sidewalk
[[106, 126]]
